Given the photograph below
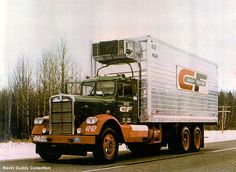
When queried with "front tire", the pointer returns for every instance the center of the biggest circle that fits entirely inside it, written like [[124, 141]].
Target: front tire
[[107, 146]]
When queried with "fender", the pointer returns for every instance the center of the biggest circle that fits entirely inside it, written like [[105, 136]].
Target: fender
[[95, 129], [37, 129], [130, 133]]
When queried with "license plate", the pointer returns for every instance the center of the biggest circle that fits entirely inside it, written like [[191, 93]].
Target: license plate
[[77, 139]]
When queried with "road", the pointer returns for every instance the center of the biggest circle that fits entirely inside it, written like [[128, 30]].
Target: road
[[214, 157]]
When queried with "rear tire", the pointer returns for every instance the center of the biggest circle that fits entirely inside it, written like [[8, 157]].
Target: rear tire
[[107, 146], [184, 140], [197, 139]]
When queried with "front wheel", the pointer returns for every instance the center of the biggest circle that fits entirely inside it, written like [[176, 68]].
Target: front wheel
[[106, 149]]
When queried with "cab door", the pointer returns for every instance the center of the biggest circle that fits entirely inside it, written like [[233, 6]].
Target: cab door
[[127, 111]]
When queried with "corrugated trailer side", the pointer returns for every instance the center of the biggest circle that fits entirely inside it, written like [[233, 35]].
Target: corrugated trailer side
[[181, 87]]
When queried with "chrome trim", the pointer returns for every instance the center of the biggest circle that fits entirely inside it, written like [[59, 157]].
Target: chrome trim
[[61, 98]]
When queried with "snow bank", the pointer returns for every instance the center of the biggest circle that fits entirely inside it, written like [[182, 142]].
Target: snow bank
[[16, 150], [218, 136]]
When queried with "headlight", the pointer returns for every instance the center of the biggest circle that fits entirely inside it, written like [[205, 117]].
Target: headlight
[[38, 120], [91, 120]]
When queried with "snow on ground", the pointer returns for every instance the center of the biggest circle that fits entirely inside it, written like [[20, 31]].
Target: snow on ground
[[24, 150]]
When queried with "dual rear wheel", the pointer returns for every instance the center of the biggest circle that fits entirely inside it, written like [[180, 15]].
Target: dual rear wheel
[[186, 140]]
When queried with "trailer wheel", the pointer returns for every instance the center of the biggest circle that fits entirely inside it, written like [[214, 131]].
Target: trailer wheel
[[185, 140], [106, 149], [50, 157], [197, 139]]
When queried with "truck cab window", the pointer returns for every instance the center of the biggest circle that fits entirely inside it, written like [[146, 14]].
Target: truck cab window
[[88, 88], [105, 88]]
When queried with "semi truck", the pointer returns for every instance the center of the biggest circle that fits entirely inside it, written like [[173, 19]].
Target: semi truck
[[143, 92]]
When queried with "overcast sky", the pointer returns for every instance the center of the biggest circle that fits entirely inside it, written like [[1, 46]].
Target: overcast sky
[[204, 28]]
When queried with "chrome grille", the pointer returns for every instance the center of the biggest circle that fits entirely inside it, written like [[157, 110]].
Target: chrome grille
[[61, 117]]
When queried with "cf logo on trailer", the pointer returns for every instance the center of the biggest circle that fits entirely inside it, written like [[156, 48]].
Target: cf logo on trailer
[[188, 79]]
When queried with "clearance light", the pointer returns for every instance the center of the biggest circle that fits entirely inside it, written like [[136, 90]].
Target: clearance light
[[91, 120], [128, 120]]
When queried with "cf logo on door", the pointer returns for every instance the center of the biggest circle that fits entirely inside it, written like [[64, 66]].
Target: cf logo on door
[[125, 109], [188, 79]]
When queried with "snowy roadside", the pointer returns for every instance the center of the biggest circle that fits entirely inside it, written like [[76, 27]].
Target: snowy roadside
[[23, 150]]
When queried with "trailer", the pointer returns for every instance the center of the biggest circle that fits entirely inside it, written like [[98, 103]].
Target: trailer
[[143, 92]]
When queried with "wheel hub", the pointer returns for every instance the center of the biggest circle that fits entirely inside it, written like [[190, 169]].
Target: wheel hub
[[109, 145]]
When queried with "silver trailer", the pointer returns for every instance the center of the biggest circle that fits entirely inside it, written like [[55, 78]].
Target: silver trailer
[[181, 87]]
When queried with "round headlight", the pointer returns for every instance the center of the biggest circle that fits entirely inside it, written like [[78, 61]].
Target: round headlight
[[38, 120], [78, 130], [91, 120]]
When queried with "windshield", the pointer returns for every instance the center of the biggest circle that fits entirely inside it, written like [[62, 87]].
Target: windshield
[[88, 88], [101, 88]]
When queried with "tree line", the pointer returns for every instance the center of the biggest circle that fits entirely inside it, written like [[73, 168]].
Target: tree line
[[227, 108], [30, 88]]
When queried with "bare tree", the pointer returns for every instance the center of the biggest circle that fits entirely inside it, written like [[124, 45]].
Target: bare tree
[[47, 82], [55, 70], [22, 88], [68, 71]]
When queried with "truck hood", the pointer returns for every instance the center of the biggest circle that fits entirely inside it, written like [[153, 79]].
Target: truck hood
[[94, 99], [93, 105]]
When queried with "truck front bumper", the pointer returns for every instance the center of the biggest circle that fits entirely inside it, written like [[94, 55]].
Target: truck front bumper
[[61, 139]]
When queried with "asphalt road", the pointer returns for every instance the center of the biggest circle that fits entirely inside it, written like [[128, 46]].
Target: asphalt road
[[214, 157]]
